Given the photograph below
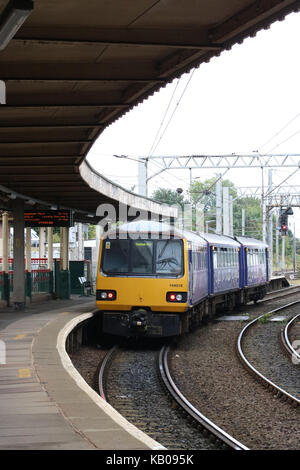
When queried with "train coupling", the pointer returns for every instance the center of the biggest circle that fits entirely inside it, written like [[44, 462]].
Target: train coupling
[[139, 320]]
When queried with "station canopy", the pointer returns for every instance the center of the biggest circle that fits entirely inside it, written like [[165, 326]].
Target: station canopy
[[75, 67]]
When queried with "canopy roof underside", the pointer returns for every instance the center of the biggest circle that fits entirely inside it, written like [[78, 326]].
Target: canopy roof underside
[[75, 67]]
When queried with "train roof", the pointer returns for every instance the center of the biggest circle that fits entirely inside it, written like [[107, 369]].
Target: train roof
[[146, 226], [251, 242], [219, 240]]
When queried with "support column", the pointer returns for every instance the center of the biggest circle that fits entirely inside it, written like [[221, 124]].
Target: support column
[[50, 258], [263, 204], [18, 296], [243, 222], [80, 242], [277, 241], [50, 248], [64, 275], [98, 236], [5, 255], [231, 216], [283, 254], [269, 224], [28, 264], [5, 245], [219, 206], [142, 176], [61, 249], [42, 242], [294, 249], [264, 225], [65, 252], [226, 211]]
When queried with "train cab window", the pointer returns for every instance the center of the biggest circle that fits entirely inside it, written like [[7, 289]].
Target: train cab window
[[141, 257], [115, 256], [168, 256]]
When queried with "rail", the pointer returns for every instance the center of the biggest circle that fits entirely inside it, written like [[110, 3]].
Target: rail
[[102, 371], [201, 420], [288, 347], [280, 393]]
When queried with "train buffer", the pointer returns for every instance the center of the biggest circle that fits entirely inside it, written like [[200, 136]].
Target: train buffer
[[86, 287]]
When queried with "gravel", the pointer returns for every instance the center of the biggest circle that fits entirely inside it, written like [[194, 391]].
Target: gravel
[[262, 348], [134, 389], [87, 360]]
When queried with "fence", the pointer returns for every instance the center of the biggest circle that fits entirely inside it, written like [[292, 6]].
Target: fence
[[38, 281], [2, 286], [41, 280]]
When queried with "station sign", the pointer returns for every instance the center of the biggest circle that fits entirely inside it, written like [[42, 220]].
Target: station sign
[[48, 218]]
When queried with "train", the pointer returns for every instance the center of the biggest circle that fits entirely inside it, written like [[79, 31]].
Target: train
[[155, 280]]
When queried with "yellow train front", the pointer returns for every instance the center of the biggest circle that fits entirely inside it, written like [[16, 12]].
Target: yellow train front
[[142, 280]]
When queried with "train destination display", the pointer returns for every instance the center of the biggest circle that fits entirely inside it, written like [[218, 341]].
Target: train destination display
[[48, 218]]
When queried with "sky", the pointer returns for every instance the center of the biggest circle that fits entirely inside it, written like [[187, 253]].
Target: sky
[[243, 101]]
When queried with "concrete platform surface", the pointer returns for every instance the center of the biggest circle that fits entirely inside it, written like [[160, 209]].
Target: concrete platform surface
[[42, 405]]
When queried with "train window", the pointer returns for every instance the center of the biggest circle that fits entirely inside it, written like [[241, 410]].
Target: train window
[[168, 257], [141, 256], [115, 256], [215, 259]]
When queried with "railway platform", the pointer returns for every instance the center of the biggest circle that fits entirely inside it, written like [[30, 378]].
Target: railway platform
[[41, 405]]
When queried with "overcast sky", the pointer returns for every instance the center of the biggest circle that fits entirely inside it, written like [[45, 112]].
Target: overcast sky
[[233, 104]]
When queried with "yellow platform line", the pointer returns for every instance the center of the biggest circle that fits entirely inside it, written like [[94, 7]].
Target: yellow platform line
[[20, 336], [24, 373]]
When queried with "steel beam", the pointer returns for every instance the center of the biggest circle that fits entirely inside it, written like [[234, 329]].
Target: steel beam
[[46, 42], [227, 161]]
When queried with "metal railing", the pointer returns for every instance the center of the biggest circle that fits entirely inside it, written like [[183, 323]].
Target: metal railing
[[41, 281]]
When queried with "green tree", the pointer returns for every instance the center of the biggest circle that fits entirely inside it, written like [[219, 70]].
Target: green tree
[[205, 193], [253, 217], [169, 196], [91, 232]]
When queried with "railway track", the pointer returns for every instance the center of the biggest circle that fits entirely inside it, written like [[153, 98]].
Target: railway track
[[269, 384], [123, 401], [123, 384], [200, 420], [288, 342]]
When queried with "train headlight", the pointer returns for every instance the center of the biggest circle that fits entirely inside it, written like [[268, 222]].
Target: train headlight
[[180, 297], [106, 295]]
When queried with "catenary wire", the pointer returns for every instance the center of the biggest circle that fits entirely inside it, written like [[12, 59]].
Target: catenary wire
[[175, 109], [164, 117], [277, 133]]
